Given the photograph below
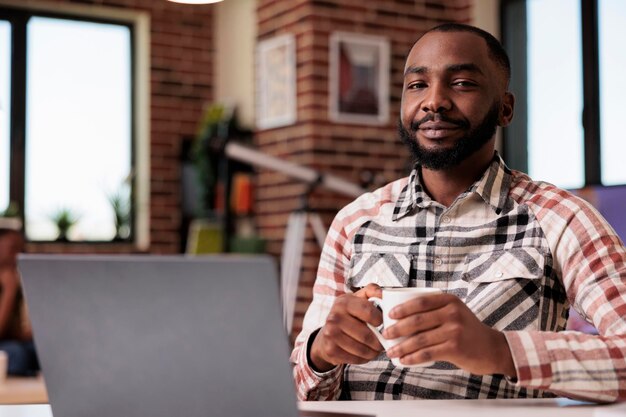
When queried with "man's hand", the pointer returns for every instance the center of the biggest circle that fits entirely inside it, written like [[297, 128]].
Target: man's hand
[[345, 338], [441, 327]]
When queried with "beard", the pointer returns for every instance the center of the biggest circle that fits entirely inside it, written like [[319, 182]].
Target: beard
[[440, 159]]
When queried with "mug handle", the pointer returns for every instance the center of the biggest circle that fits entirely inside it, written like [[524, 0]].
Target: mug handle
[[377, 330]]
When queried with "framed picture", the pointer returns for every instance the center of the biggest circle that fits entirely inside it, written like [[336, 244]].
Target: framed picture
[[359, 79], [276, 82]]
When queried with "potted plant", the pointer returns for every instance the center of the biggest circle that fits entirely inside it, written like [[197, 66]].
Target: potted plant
[[10, 217], [121, 214], [216, 123], [64, 219]]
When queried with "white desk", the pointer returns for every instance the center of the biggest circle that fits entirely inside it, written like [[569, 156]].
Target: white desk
[[420, 408], [37, 410], [470, 408]]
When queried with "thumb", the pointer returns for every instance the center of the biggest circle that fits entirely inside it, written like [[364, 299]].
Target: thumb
[[370, 290]]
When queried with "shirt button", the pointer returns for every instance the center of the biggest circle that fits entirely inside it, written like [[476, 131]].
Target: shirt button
[[445, 219], [438, 261], [499, 274]]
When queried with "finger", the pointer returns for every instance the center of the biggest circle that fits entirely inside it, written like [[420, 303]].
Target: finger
[[339, 346], [357, 330], [426, 354], [364, 335], [361, 352], [338, 356], [422, 304], [415, 323], [454, 312], [418, 342], [364, 311], [370, 290]]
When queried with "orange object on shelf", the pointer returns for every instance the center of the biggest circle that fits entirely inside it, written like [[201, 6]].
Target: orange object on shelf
[[241, 200]]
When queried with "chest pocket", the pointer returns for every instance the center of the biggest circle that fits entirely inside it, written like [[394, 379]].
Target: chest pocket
[[524, 263], [384, 269], [504, 287]]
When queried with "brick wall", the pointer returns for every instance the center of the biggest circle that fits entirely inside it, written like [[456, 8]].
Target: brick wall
[[181, 79], [181, 69], [341, 149]]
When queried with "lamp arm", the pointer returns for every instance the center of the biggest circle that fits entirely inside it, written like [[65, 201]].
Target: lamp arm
[[308, 175]]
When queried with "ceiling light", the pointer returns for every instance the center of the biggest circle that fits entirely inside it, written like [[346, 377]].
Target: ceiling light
[[195, 1]]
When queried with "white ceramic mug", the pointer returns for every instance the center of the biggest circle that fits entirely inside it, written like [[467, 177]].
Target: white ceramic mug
[[393, 297]]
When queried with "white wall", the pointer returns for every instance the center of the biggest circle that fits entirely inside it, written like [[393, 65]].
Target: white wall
[[486, 15], [235, 38]]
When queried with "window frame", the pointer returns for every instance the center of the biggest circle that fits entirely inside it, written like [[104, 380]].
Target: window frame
[[18, 15], [513, 18]]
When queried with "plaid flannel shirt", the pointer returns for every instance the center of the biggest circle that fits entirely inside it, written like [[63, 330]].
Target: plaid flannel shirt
[[517, 252]]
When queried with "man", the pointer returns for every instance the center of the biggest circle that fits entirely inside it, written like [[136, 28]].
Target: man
[[510, 255]]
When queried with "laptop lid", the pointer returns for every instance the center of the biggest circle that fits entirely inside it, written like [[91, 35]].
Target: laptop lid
[[159, 336]]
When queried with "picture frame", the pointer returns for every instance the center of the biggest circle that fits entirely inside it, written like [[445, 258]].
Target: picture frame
[[358, 79], [276, 104]]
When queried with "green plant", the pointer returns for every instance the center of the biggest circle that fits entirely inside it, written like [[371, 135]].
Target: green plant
[[215, 125], [10, 217], [121, 211], [12, 210], [64, 219]]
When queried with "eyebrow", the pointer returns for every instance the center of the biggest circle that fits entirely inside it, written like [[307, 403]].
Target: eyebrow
[[450, 68]]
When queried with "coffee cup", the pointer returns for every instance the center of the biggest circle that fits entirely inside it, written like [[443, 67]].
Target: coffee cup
[[393, 297]]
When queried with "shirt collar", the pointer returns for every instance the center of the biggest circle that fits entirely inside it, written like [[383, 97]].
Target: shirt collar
[[492, 187]]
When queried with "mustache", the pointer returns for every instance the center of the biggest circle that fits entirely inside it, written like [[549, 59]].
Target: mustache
[[438, 117]]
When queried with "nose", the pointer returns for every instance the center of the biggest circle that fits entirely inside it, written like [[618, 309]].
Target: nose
[[436, 99]]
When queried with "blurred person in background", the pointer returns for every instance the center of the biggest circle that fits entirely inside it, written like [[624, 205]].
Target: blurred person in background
[[16, 337]]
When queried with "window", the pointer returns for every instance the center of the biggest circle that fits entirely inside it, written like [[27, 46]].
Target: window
[[5, 110], [612, 32], [554, 122], [566, 55], [78, 120], [75, 144]]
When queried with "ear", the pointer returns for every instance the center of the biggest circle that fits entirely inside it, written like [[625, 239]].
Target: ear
[[506, 109]]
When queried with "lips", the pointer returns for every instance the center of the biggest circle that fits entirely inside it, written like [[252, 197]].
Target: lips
[[437, 125], [437, 129]]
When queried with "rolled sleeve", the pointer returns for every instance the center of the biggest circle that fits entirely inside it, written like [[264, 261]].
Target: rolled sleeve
[[310, 384]]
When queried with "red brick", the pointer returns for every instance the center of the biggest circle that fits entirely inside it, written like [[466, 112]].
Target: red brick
[[338, 148]]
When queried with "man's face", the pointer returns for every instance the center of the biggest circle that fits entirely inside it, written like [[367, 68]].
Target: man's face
[[454, 97]]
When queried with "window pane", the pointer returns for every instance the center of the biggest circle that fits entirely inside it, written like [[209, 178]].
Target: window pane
[[5, 110], [612, 32], [78, 131], [555, 133]]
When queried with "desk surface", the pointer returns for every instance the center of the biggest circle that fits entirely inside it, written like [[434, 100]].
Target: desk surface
[[470, 408], [430, 408], [16, 390]]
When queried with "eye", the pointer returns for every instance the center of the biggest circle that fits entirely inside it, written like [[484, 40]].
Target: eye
[[464, 83], [416, 85]]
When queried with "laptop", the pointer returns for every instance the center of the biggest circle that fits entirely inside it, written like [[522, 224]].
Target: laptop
[[159, 336]]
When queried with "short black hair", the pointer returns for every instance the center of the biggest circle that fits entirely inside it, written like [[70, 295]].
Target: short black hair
[[496, 51]]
